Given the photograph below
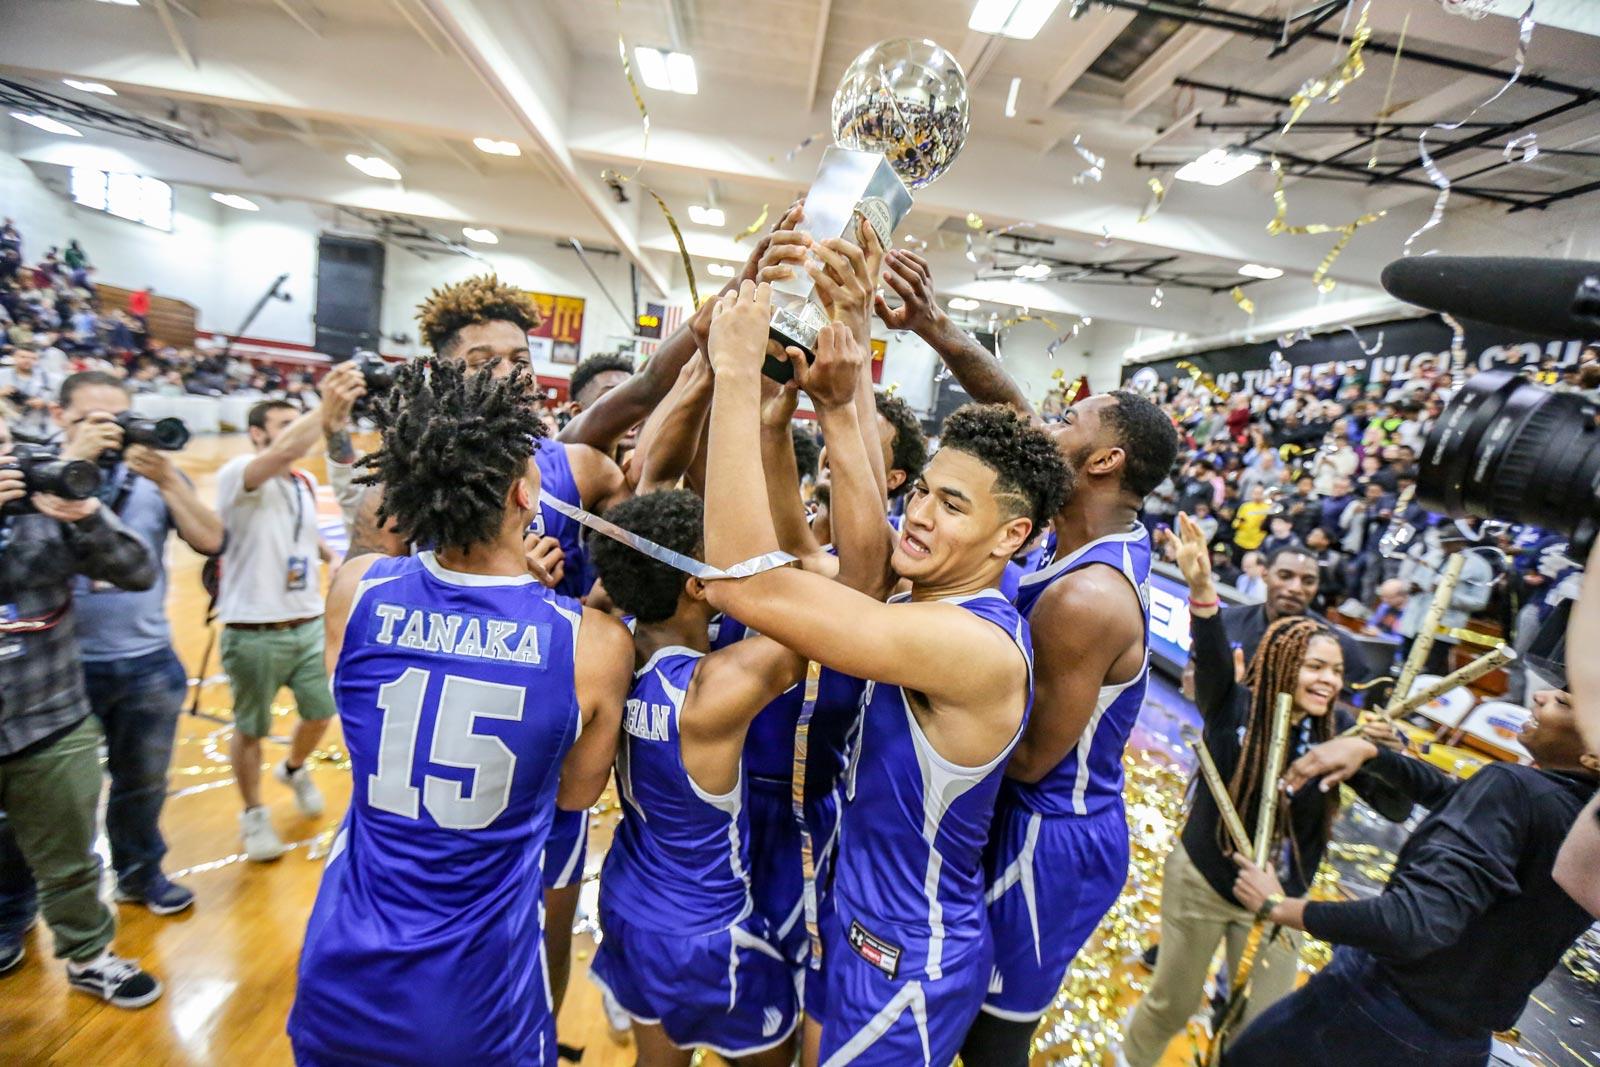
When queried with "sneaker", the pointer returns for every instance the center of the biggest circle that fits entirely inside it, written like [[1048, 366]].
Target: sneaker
[[261, 843], [159, 895], [11, 953], [11, 950], [119, 982], [306, 793]]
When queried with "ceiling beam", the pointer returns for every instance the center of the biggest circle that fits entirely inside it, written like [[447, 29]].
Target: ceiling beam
[[312, 24], [473, 161], [1095, 30], [410, 15], [170, 24], [470, 29], [1183, 52], [818, 46]]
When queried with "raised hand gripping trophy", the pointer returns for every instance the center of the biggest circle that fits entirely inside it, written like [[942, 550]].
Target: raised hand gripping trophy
[[899, 121]]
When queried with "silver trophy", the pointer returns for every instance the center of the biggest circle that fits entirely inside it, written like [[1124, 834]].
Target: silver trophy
[[899, 120]]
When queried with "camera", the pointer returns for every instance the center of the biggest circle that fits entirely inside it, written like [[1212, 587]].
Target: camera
[[376, 373], [1507, 449], [44, 471], [169, 435]]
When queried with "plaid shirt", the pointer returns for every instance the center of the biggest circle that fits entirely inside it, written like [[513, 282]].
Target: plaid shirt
[[41, 676]]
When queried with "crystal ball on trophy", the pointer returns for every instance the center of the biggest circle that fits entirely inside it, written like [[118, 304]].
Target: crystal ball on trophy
[[906, 99]]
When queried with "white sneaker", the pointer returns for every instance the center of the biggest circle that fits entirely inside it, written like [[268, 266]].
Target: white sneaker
[[261, 843], [306, 794]]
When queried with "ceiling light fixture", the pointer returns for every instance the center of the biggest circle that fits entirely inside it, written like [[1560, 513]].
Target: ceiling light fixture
[[481, 236], [1087, 320], [1033, 271], [122, 3], [99, 88], [963, 303], [497, 148], [671, 72], [1011, 98], [373, 166], [720, 270], [1218, 167], [1256, 270], [45, 123], [1022, 19], [235, 201], [706, 216]]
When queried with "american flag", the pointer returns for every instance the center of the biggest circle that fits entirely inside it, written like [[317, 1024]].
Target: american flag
[[673, 316]]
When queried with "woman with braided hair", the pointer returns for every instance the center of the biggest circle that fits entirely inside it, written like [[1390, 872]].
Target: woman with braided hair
[[1300, 656]]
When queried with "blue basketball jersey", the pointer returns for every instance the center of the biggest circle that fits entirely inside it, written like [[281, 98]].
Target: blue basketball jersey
[[681, 856], [909, 881], [556, 478], [457, 700], [1089, 778]]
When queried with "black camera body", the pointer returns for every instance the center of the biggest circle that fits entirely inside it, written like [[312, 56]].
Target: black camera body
[[44, 471], [377, 373], [1505, 448], [169, 435]]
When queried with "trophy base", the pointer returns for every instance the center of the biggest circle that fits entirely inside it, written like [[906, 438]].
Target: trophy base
[[794, 330]]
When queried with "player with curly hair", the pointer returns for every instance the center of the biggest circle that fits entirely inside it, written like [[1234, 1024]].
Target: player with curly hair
[[687, 954], [474, 702], [906, 952]]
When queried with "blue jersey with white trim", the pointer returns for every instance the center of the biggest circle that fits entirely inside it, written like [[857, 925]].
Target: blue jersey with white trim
[[556, 478], [457, 700], [909, 879], [1089, 778], [680, 858]]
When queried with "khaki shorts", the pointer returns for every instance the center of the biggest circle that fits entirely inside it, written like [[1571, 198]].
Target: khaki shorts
[[260, 662]]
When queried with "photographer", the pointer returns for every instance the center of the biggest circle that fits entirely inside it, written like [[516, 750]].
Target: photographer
[[49, 758], [31, 389], [270, 600], [136, 684]]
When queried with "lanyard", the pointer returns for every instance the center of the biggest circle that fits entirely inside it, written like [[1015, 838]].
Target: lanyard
[[299, 504]]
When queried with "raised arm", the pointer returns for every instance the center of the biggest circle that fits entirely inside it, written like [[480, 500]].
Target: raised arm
[[604, 673], [200, 527], [729, 688], [783, 478], [602, 424], [671, 434], [974, 366], [942, 651], [1212, 658]]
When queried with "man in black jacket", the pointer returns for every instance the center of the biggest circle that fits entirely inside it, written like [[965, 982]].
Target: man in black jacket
[[1470, 923]]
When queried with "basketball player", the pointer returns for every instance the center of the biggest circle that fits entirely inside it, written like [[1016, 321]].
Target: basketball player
[[908, 951], [685, 953], [474, 701], [1061, 806]]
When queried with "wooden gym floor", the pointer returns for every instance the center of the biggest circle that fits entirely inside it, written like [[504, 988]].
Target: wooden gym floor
[[229, 962]]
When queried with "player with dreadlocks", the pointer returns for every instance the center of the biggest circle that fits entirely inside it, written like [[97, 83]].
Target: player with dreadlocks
[[1301, 657], [474, 702]]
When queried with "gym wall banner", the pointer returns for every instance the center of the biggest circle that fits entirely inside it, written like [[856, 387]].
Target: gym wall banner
[[1404, 342]]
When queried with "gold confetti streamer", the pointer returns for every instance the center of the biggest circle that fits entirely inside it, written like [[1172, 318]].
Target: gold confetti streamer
[[1280, 226], [974, 221], [1158, 195], [610, 175], [1328, 85], [755, 227], [1202, 379], [1246, 305], [1388, 90]]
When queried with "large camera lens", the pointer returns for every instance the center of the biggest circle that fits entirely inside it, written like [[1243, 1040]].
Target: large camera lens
[[1507, 449], [45, 472], [169, 435]]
